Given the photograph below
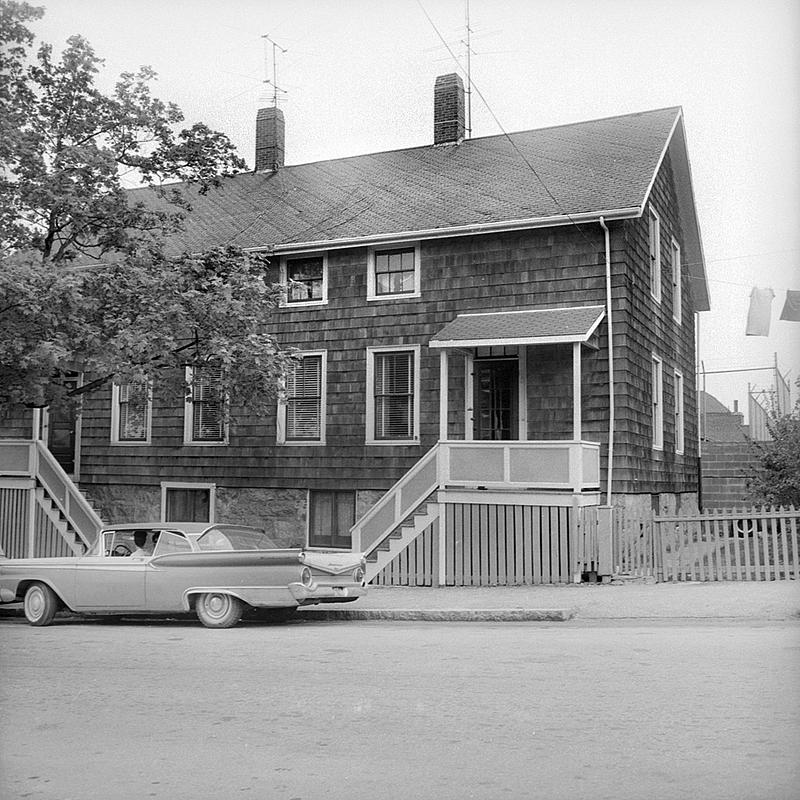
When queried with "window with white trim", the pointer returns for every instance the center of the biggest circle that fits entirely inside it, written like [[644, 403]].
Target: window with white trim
[[677, 283], [306, 279], [393, 395], [331, 514], [679, 418], [131, 411], [655, 254], [301, 413], [393, 272], [657, 400], [204, 417]]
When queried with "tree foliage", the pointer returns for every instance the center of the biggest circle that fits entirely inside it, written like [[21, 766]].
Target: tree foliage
[[778, 482], [66, 149]]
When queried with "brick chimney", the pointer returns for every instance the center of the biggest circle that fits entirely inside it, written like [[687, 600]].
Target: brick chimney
[[270, 136], [448, 109]]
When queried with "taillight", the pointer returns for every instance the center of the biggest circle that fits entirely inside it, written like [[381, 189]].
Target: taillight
[[306, 578], [358, 575]]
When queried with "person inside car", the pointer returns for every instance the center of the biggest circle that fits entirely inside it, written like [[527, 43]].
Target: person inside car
[[142, 550]]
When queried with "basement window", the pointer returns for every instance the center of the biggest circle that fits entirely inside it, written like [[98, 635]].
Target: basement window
[[331, 514]]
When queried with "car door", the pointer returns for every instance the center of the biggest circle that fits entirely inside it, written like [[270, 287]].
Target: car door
[[105, 581]]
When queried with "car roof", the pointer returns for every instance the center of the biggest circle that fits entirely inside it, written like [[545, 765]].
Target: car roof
[[195, 528]]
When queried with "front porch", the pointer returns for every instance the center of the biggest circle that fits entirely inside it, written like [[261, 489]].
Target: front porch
[[504, 497]]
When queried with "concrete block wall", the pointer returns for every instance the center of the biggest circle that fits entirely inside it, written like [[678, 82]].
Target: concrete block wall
[[725, 470]]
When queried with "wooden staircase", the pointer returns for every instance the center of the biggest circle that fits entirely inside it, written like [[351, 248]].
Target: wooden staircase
[[401, 537], [43, 511]]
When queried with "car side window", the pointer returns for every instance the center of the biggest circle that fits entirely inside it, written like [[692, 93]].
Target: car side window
[[169, 542]]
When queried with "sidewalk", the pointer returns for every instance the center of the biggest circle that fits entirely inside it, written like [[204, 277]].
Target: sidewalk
[[773, 600]]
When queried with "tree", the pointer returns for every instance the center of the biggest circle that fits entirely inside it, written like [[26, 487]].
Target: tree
[[778, 482], [65, 148]]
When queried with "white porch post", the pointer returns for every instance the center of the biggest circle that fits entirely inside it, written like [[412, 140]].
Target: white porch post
[[469, 368], [522, 434], [576, 392], [443, 394]]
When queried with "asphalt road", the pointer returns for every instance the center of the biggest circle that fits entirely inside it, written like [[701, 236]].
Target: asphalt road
[[399, 710]]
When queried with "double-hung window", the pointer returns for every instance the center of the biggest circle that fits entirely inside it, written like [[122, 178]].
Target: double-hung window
[[657, 400], [677, 290], [679, 418], [393, 395], [131, 408], [393, 273], [204, 418], [655, 254], [301, 412], [305, 279]]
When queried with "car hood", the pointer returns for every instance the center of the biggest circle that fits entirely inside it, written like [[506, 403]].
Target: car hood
[[334, 563]]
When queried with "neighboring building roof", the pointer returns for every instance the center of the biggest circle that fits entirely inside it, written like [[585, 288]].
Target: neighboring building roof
[[541, 326], [710, 405], [551, 176]]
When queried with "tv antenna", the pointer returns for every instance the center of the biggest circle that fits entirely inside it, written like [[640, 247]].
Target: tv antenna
[[274, 81], [468, 47]]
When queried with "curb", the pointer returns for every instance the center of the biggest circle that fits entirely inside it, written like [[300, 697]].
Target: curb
[[443, 615]]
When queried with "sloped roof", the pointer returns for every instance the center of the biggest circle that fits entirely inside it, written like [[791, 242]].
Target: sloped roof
[[539, 326], [558, 175]]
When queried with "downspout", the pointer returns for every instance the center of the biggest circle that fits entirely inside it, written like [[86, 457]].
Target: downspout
[[610, 468]]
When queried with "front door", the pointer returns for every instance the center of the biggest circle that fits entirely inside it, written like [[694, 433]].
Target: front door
[[61, 434], [496, 398]]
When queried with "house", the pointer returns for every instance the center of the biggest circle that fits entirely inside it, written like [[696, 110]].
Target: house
[[498, 338]]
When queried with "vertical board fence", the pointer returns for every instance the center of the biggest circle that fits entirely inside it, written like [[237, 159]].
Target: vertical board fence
[[14, 521], [490, 545], [749, 544]]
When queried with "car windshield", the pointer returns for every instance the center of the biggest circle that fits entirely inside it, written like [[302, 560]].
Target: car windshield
[[229, 537]]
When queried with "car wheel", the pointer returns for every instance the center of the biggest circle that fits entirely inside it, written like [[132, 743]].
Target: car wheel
[[40, 604], [218, 610]]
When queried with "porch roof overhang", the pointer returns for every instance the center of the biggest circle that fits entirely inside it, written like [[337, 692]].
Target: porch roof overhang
[[540, 326]]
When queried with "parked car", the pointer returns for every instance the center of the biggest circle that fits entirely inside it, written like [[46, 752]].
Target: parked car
[[217, 571]]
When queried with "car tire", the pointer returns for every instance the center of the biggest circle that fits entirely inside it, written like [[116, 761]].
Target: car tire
[[218, 610], [40, 604]]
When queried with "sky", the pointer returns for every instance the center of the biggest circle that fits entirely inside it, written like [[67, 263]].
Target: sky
[[357, 77]]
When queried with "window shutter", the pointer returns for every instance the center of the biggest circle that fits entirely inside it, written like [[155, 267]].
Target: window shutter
[[394, 395], [304, 400]]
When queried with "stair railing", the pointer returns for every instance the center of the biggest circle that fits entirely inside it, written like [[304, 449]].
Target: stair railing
[[65, 494], [399, 502]]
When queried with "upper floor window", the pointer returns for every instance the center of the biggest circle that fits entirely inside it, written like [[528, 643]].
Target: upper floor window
[[655, 254], [679, 418], [393, 273], [131, 406], [657, 399], [305, 279], [677, 283], [204, 417], [393, 395], [301, 414]]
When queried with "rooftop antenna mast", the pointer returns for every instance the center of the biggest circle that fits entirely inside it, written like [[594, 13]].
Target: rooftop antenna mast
[[274, 81], [467, 45]]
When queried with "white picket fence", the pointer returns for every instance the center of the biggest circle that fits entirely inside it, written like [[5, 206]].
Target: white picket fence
[[748, 544]]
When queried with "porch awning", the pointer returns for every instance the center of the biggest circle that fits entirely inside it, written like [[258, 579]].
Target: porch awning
[[542, 326]]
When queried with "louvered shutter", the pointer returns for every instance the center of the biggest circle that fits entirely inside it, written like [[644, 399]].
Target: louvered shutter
[[394, 395], [207, 405], [304, 400]]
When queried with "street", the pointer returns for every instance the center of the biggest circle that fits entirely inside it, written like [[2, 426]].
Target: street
[[399, 710]]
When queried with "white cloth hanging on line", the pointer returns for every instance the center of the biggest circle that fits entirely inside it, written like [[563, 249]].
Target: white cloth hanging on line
[[758, 317]]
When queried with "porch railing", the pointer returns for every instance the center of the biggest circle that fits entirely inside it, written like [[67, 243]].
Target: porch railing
[[564, 466]]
